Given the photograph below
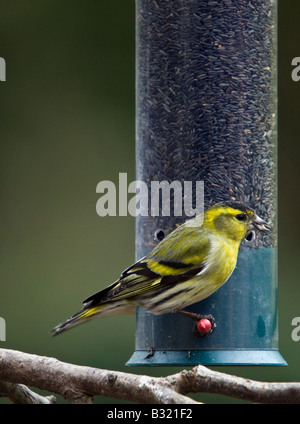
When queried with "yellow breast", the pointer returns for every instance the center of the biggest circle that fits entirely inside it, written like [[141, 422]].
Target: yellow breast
[[220, 265]]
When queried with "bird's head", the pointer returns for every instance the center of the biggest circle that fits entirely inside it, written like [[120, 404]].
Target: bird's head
[[234, 221]]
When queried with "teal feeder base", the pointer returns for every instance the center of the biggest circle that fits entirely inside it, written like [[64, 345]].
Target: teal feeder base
[[245, 310], [207, 357]]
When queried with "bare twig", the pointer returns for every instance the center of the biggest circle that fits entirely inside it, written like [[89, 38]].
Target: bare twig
[[202, 379], [79, 384], [18, 393]]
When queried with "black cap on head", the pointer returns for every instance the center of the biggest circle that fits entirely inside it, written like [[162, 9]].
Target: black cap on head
[[235, 205]]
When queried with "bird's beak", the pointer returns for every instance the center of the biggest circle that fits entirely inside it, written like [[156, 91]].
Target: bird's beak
[[260, 224]]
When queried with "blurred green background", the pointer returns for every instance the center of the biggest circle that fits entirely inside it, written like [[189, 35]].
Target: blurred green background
[[67, 122]]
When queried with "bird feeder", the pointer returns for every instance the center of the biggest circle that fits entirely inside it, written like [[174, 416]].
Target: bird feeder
[[207, 111]]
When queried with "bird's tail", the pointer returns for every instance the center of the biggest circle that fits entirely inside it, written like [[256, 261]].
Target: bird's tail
[[88, 313]]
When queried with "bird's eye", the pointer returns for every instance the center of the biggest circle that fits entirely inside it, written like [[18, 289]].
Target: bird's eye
[[241, 216]]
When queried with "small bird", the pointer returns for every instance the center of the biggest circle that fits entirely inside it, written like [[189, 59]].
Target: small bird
[[187, 266]]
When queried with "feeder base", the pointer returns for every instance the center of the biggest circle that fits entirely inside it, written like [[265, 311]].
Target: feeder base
[[268, 357]]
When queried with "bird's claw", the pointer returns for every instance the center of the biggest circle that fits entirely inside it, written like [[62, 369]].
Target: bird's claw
[[198, 318]]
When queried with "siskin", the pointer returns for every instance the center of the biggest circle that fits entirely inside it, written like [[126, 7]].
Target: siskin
[[187, 266]]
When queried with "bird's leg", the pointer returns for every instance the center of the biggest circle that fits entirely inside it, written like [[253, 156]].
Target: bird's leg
[[198, 318], [195, 316]]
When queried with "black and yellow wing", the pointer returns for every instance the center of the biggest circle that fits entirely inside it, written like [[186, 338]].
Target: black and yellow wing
[[154, 272]]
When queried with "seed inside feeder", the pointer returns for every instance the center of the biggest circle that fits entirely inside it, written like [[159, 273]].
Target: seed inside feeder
[[207, 104]]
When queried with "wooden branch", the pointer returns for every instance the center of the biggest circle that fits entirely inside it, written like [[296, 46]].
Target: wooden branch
[[18, 393], [202, 379], [79, 384]]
